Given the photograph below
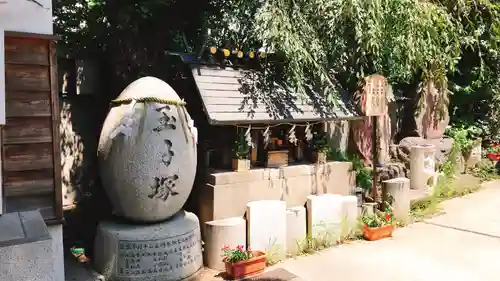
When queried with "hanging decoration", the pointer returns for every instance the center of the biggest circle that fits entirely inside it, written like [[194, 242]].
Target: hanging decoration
[[213, 50], [291, 135], [239, 53], [226, 52], [248, 137], [308, 132], [267, 136]]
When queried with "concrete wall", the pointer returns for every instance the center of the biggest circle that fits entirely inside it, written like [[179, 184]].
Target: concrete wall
[[56, 231], [226, 194], [26, 16]]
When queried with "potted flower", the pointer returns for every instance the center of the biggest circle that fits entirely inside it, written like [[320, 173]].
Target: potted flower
[[493, 152], [378, 225], [241, 263], [241, 151], [319, 146]]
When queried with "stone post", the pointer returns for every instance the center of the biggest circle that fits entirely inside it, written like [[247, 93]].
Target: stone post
[[398, 191], [227, 232], [423, 174]]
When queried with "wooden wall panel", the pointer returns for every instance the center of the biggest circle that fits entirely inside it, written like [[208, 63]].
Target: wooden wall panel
[[30, 139], [26, 51], [28, 104], [23, 157], [27, 130], [22, 77]]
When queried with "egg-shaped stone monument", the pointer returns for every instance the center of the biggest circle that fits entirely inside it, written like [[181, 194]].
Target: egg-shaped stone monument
[[147, 159], [147, 152]]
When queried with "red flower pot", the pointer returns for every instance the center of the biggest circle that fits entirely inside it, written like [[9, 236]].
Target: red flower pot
[[377, 233], [242, 269]]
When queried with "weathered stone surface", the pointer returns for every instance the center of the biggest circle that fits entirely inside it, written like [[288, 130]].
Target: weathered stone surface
[[423, 175], [217, 234], [324, 216], [25, 248], [296, 231], [399, 191], [350, 212], [148, 170], [169, 250], [443, 147], [266, 227]]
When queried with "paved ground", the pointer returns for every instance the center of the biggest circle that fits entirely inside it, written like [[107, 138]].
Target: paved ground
[[461, 244]]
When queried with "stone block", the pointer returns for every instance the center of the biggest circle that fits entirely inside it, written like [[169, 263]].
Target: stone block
[[170, 250], [25, 248], [217, 234], [398, 190], [368, 209], [266, 227], [350, 213], [324, 216], [296, 231]]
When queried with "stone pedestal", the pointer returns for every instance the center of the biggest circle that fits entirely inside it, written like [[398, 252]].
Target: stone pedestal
[[324, 217], [350, 213], [368, 209], [217, 234], [296, 231], [398, 190], [266, 227], [423, 175], [25, 248], [169, 250]]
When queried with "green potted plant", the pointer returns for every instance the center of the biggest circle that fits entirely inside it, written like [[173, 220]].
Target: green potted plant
[[241, 263], [319, 146], [468, 141], [378, 226], [241, 151]]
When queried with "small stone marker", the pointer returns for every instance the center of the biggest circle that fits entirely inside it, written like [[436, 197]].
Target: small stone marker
[[399, 190], [324, 216], [266, 227], [296, 230], [219, 233], [25, 248], [170, 250], [350, 213]]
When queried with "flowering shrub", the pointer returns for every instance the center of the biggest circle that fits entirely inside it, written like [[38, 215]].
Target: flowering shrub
[[237, 254], [493, 152], [379, 219]]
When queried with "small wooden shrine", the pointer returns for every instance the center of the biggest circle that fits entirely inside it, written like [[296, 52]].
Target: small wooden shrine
[[244, 117]]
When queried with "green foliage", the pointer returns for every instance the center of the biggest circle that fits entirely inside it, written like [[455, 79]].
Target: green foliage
[[464, 137], [363, 174], [319, 142], [378, 219], [240, 146]]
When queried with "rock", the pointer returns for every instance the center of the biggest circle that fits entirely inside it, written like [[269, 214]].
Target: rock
[[148, 159], [25, 248], [296, 232], [443, 147], [266, 227], [324, 217], [170, 250], [228, 232]]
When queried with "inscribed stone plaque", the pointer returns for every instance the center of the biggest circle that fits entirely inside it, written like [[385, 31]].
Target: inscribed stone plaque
[[169, 250]]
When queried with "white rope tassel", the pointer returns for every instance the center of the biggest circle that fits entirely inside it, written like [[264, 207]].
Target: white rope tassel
[[267, 136], [291, 136], [126, 124], [309, 135], [248, 137]]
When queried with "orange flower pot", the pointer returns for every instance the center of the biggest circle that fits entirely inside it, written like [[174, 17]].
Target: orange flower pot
[[242, 269], [377, 233]]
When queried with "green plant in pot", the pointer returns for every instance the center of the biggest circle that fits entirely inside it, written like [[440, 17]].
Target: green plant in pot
[[319, 146], [241, 150]]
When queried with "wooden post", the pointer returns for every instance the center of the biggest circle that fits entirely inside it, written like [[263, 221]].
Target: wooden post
[[374, 157]]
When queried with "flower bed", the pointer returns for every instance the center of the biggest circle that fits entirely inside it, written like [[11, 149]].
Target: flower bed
[[378, 225], [493, 152], [241, 263]]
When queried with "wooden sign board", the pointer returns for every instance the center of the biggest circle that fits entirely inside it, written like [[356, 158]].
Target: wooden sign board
[[374, 96]]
